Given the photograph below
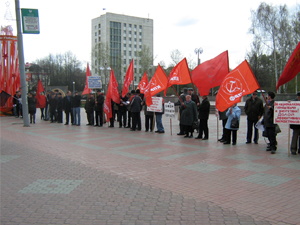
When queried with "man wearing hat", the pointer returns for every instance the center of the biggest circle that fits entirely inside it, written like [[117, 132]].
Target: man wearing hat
[[296, 134]]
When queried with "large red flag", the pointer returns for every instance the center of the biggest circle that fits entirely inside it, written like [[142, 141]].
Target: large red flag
[[143, 83], [112, 90], [128, 78], [210, 73], [41, 99], [239, 82], [180, 74], [158, 83], [86, 89], [291, 69]]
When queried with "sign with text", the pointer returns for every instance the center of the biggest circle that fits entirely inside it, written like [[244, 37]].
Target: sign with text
[[156, 105], [30, 21], [94, 82], [287, 112], [170, 110]]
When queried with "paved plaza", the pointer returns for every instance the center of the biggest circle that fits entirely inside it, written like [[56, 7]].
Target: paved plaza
[[61, 174]]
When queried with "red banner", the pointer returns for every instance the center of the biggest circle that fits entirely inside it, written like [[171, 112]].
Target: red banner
[[86, 89], [239, 82], [128, 78], [143, 83]]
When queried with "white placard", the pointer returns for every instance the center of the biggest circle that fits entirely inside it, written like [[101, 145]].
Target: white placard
[[169, 110], [156, 105], [287, 112]]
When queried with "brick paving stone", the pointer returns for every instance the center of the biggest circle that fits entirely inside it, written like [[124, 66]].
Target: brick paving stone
[[53, 174]]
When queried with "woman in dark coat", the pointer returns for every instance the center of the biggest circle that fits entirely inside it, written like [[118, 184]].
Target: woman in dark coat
[[188, 116], [31, 107]]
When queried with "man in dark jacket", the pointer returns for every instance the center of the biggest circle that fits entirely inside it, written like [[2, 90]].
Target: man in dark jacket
[[53, 107], [188, 116], [254, 110], [180, 103], [76, 108], [296, 133], [203, 110], [99, 109], [59, 108], [269, 124], [68, 108], [89, 109], [135, 108]]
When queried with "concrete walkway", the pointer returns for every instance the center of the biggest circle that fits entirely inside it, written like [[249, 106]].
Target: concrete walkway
[[57, 174]]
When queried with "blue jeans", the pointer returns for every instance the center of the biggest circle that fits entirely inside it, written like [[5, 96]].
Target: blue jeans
[[159, 124], [76, 113]]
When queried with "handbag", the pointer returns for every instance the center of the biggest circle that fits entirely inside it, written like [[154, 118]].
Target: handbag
[[235, 123], [277, 129]]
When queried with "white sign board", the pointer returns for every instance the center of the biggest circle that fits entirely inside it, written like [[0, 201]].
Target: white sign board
[[287, 112], [156, 105], [170, 110], [94, 82]]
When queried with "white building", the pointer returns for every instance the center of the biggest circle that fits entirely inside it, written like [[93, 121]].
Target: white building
[[121, 39]]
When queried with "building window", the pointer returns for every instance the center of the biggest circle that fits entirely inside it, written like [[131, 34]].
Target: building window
[[99, 32], [99, 39], [99, 25], [129, 39], [95, 41], [95, 34], [130, 25], [124, 52], [124, 38], [135, 26], [140, 27], [125, 62], [129, 45], [124, 24], [124, 45], [129, 53]]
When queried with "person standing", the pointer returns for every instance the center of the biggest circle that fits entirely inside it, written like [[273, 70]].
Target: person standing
[[203, 110], [135, 108], [99, 109], [76, 108], [59, 108], [180, 103], [188, 116], [123, 111], [89, 109], [149, 119], [68, 108], [41, 103], [52, 107], [269, 123], [17, 103], [232, 112], [254, 110], [295, 143], [31, 107], [158, 119]]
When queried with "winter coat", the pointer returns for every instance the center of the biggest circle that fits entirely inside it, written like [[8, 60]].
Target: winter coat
[[236, 113], [31, 104], [254, 108], [269, 115], [188, 114], [204, 109], [136, 104]]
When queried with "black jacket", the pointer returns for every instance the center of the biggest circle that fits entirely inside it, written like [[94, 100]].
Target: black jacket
[[204, 109], [254, 108]]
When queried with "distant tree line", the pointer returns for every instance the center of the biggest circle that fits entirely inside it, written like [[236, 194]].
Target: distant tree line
[[276, 32]]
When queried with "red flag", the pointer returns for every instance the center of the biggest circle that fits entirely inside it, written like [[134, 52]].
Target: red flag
[[112, 90], [107, 107], [239, 82], [210, 73], [291, 69], [41, 99], [180, 74], [86, 89], [143, 83], [158, 83], [128, 79]]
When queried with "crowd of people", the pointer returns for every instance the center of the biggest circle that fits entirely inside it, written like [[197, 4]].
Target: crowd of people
[[193, 115]]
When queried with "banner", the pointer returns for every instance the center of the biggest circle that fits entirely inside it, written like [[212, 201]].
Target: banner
[[287, 112]]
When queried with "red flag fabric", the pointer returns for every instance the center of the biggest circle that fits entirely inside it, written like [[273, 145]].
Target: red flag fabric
[[291, 69], [86, 89], [180, 74], [143, 83], [107, 107], [210, 73], [41, 99], [112, 90], [239, 82], [129, 76], [158, 83]]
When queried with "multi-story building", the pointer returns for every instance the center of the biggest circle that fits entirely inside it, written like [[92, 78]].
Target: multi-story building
[[116, 40]]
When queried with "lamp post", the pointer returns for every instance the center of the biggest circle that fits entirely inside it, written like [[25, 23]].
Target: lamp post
[[105, 69], [198, 51]]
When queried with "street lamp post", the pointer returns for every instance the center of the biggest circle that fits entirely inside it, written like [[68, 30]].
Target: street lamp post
[[198, 51], [105, 69]]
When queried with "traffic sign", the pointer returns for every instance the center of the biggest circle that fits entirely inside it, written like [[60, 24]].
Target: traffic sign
[[30, 21]]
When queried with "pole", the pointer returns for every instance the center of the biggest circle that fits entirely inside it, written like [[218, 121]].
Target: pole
[[22, 65]]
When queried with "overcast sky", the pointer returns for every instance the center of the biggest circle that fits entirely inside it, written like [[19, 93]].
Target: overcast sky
[[215, 26]]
